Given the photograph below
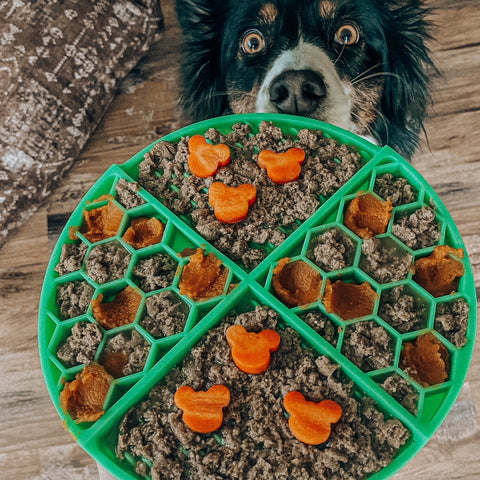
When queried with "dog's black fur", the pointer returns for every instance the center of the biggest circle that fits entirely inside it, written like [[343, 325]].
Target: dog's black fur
[[385, 74]]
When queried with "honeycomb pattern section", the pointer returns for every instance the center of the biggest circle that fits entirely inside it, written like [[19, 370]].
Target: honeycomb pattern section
[[130, 272], [373, 340], [91, 316]]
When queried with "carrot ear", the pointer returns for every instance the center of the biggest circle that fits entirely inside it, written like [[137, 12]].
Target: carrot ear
[[271, 339]]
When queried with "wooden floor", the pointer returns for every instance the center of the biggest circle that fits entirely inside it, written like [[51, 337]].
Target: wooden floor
[[33, 443]]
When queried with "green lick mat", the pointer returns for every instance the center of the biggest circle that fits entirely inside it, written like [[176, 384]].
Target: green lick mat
[[68, 289]]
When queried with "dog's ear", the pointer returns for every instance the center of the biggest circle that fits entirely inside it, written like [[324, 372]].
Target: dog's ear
[[408, 63], [203, 85]]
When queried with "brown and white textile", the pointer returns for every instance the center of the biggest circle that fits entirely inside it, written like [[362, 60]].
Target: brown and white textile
[[60, 63]]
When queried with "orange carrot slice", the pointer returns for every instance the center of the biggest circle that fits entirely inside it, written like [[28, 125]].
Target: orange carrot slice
[[204, 158], [251, 351], [310, 422], [231, 204], [282, 167], [202, 411]]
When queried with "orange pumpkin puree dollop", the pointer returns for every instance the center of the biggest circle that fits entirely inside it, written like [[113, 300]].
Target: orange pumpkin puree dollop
[[367, 216], [83, 397], [203, 277]]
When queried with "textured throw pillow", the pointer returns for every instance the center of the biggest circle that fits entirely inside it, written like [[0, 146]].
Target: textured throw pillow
[[60, 62]]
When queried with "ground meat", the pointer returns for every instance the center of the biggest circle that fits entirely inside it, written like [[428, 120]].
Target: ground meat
[[255, 441], [155, 272], [71, 258], [451, 320], [401, 310], [81, 345], [73, 298], [402, 391], [132, 349], [323, 325], [107, 262], [419, 229], [165, 314], [278, 209], [127, 194], [397, 189], [332, 250], [368, 346], [384, 262]]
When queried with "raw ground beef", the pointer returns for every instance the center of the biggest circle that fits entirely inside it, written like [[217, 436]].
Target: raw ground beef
[[368, 345], [419, 229], [323, 325], [165, 314], [107, 261], [71, 258], [127, 194], [397, 189], [332, 250], [384, 263], [73, 298], [81, 345], [255, 441], [132, 346], [278, 209], [402, 391], [451, 320], [402, 311], [155, 272]]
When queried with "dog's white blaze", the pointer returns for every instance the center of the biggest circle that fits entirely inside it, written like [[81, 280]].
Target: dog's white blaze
[[336, 108]]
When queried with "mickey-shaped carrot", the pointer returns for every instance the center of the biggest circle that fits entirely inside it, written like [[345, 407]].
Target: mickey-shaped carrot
[[282, 167], [310, 422], [204, 158], [202, 410], [250, 350], [230, 204]]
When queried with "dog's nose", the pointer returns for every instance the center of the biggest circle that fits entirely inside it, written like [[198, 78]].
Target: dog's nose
[[297, 91]]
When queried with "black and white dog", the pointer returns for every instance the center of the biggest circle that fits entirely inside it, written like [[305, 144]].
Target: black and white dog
[[360, 64]]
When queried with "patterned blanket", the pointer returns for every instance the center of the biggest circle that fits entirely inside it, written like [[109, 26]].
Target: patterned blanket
[[60, 63]]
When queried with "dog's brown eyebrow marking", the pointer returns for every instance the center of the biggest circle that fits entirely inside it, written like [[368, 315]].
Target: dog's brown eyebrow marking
[[269, 12], [327, 8]]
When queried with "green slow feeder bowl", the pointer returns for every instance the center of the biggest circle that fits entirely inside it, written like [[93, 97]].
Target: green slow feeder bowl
[[251, 287]]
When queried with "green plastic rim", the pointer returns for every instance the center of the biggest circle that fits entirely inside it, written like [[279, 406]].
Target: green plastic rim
[[253, 288]]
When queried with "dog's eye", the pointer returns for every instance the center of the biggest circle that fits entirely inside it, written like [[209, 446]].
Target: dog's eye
[[347, 34], [252, 42]]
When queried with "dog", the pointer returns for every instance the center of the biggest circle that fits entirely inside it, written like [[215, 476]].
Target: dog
[[362, 65]]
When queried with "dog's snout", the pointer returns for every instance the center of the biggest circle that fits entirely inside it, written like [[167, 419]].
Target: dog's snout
[[297, 91]]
